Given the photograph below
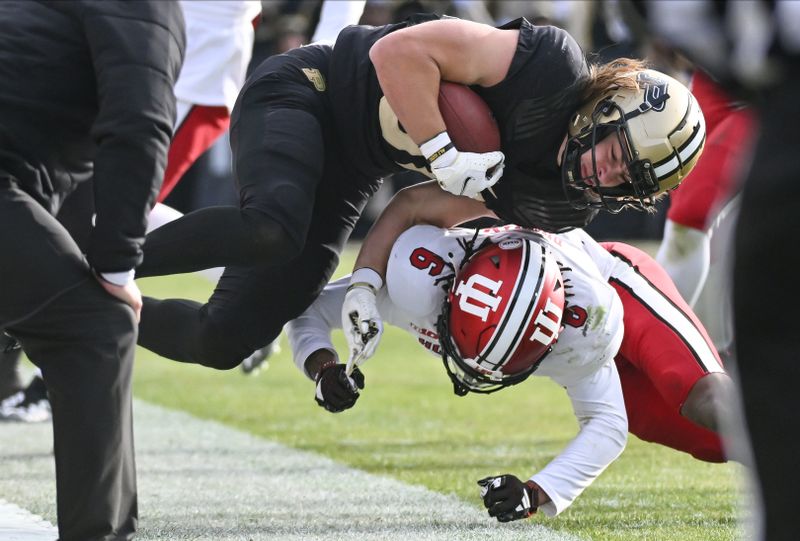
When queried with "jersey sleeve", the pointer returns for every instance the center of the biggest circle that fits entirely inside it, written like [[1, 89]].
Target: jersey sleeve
[[136, 50], [600, 409], [311, 331]]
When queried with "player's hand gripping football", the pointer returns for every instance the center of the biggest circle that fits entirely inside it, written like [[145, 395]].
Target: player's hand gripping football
[[462, 173], [470, 173], [361, 321], [507, 498]]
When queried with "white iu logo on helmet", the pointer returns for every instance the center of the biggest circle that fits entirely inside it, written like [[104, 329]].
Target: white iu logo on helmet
[[483, 301], [544, 319]]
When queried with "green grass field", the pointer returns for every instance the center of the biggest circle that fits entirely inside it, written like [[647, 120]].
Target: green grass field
[[409, 425]]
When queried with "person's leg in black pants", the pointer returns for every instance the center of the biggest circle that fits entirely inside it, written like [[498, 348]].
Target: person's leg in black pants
[[765, 299], [278, 154], [251, 304], [83, 340]]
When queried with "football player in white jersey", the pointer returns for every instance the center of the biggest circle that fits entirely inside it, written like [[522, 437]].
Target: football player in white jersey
[[497, 305]]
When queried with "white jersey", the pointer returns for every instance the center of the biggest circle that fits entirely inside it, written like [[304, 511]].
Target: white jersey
[[582, 360], [334, 16], [219, 45]]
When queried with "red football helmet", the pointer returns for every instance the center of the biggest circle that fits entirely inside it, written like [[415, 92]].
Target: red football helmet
[[501, 316]]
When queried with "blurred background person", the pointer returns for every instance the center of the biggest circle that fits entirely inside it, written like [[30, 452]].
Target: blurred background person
[[697, 242], [86, 93], [753, 50]]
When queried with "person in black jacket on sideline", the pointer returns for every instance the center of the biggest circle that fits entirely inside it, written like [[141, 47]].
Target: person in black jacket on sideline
[[86, 91]]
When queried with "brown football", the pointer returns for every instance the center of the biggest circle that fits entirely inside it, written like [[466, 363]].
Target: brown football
[[469, 121]]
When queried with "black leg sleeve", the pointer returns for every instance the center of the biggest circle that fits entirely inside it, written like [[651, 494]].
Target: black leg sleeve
[[214, 237], [181, 330]]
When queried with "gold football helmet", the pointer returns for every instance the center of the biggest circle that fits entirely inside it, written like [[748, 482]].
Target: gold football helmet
[[661, 131]]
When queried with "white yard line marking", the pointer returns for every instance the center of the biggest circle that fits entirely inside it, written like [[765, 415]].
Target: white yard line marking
[[17, 524], [202, 480]]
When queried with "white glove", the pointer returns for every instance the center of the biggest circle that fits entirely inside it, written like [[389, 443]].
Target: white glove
[[462, 173], [361, 320]]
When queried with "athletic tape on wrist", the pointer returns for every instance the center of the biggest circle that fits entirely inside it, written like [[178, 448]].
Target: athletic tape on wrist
[[366, 277], [440, 148]]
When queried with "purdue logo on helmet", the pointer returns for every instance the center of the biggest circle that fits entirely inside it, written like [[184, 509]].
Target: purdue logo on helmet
[[501, 316], [661, 131]]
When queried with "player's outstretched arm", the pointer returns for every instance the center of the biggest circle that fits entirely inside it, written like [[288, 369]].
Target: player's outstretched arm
[[314, 354], [600, 409], [422, 203]]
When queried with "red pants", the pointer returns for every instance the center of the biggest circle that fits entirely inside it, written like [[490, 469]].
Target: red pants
[[198, 131], [714, 180], [664, 353]]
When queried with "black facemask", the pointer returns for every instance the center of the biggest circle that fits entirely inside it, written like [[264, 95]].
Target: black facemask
[[638, 193]]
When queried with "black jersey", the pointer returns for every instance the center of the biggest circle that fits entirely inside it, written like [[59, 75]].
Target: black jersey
[[86, 92], [372, 137], [533, 106]]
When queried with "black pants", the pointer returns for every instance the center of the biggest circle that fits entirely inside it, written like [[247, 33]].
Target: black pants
[[83, 341], [765, 298], [299, 202]]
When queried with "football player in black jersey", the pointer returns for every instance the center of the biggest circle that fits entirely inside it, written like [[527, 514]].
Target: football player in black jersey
[[315, 129]]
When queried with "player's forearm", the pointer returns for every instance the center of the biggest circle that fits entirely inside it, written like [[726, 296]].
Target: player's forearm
[[377, 245], [314, 363], [409, 78], [578, 465], [411, 62], [423, 203], [311, 331]]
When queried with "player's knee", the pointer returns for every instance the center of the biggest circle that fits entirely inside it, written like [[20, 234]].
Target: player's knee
[[709, 397], [219, 350], [223, 349], [271, 242]]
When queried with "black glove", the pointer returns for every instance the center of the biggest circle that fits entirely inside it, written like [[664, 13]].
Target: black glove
[[507, 498], [335, 391]]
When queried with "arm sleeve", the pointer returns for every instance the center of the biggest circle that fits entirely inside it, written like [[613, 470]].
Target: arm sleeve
[[137, 50], [311, 331], [599, 406]]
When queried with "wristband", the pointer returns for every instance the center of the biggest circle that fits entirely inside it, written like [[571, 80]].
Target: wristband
[[327, 364], [118, 278], [534, 492], [439, 149], [366, 277]]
